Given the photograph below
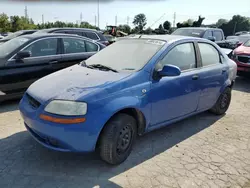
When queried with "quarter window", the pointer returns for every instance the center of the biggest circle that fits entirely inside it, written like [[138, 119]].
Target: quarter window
[[182, 56], [209, 55], [43, 47]]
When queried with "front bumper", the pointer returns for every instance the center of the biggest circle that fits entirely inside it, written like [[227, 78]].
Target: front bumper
[[80, 137]]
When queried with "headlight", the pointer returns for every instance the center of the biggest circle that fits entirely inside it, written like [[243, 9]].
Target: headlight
[[67, 108]]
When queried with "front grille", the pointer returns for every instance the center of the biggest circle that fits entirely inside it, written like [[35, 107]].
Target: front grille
[[244, 59], [33, 102]]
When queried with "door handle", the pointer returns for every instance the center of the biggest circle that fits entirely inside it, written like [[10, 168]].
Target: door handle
[[53, 62], [195, 77], [224, 70]]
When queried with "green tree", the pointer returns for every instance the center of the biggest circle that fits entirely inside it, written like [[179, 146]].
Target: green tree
[[148, 31], [16, 23], [4, 23], [125, 28], [237, 23], [167, 25], [220, 22], [140, 21]]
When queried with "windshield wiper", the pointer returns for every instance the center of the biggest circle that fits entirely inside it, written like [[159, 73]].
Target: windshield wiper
[[100, 66]]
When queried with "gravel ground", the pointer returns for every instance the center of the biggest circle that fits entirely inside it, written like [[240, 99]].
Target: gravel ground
[[202, 151]]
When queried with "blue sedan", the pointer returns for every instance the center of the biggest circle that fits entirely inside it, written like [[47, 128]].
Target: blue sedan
[[132, 87]]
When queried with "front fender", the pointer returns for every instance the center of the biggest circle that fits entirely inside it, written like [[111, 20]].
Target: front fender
[[111, 107]]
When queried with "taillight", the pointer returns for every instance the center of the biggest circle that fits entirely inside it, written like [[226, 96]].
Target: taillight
[[106, 43]]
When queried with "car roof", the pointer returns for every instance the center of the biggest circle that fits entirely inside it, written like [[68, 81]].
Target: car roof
[[200, 28], [70, 28], [44, 35], [166, 38]]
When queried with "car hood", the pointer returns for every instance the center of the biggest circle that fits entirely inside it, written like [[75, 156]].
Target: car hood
[[72, 83], [242, 50]]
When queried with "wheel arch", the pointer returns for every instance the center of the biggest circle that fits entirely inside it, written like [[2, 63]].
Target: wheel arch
[[135, 113]]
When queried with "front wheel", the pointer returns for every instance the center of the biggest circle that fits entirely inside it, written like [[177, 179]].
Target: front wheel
[[223, 102], [117, 139]]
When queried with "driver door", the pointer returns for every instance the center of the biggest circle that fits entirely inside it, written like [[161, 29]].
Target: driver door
[[176, 96], [21, 73]]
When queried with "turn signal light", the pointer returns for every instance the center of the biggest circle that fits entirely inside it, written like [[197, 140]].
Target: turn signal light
[[62, 120]]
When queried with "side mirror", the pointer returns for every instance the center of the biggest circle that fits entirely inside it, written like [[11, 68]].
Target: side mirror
[[212, 38], [169, 70], [239, 44], [23, 54]]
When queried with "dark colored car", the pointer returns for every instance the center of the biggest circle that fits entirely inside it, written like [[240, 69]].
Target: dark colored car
[[111, 39], [241, 56], [27, 58], [16, 34], [213, 34], [89, 33]]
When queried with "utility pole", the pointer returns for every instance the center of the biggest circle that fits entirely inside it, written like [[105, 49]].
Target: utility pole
[[26, 12], [128, 20], [235, 24], [174, 19], [81, 17], [42, 19], [116, 20], [98, 13]]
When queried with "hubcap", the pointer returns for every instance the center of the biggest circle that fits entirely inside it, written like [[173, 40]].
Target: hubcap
[[124, 139], [224, 100]]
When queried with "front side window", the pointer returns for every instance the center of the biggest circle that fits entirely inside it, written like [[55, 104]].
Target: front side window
[[209, 55], [218, 35], [247, 43], [182, 56], [44, 47], [73, 45], [208, 34]]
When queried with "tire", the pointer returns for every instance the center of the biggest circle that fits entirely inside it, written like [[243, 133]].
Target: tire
[[117, 139], [223, 102]]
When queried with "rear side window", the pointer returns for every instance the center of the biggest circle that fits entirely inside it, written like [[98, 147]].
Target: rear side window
[[91, 35], [73, 45], [209, 55], [91, 47], [182, 56], [44, 47], [218, 35]]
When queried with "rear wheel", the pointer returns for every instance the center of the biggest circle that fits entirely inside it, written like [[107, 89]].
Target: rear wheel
[[223, 102], [117, 139]]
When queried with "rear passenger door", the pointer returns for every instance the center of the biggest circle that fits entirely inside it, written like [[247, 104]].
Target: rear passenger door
[[212, 75], [75, 50]]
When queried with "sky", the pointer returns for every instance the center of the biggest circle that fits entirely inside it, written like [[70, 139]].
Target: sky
[[156, 11]]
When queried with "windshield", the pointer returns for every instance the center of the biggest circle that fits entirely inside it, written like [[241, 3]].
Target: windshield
[[9, 46], [189, 32], [247, 43], [13, 35], [130, 55]]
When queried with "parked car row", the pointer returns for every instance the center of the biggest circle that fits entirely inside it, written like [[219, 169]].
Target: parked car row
[[89, 33], [27, 58]]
